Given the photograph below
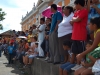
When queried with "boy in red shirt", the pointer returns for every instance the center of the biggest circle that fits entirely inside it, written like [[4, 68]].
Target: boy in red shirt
[[79, 22]]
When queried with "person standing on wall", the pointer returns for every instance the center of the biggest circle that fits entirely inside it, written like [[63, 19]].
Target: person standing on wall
[[53, 36], [65, 31], [41, 36]]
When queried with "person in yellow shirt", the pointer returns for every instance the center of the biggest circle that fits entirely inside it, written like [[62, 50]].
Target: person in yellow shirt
[[29, 37], [94, 26]]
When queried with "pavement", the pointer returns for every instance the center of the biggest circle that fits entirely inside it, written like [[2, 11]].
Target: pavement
[[8, 69]]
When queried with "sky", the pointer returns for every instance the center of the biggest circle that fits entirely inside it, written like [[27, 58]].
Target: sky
[[14, 10]]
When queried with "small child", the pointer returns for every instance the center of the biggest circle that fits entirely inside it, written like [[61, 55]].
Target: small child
[[90, 60], [47, 42], [30, 51], [10, 51], [34, 54], [65, 68]]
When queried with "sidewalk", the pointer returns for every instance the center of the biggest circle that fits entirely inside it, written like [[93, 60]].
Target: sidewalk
[[7, 69]]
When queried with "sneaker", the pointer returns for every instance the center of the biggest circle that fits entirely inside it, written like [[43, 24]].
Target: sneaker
[[75, 67], [46, 59], [79, 67]]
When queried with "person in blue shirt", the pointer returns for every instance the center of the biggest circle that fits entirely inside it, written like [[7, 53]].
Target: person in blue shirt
[[53, 35], [93, 7], [0, 49], [10, 51]]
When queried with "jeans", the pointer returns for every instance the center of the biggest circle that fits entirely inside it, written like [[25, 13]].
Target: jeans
[[10, 58], [0, 53], [67, 66]]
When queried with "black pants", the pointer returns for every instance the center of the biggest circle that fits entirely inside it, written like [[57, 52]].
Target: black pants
[[10, 58], [21, 58], [0, 53]]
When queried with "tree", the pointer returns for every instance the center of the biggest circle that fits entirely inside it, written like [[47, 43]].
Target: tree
[[2, 14]]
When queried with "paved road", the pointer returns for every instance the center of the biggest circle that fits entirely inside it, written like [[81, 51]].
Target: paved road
[[6, 69]]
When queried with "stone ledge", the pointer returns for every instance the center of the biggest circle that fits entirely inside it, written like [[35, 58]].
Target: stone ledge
[[41, 67]]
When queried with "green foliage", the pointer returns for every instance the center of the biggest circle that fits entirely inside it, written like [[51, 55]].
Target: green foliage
[[1, 27], [2, 14]]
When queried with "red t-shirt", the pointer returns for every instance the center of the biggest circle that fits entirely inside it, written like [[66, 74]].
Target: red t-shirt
[[79, 28]]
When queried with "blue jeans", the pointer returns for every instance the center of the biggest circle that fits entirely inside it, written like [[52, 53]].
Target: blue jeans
[[0, 53], [67, 66]]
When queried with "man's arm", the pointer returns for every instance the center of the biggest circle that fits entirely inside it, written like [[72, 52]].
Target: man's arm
[[97, 9], [57, 25], [88, 5], [75, 20], [39, 30]]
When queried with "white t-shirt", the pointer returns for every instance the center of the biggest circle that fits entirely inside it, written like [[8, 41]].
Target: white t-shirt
[[70, 53], [36, 51], [34, 32], [41, 34], [65, 27], [32, 44]]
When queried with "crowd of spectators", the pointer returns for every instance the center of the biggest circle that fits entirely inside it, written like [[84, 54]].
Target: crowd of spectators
[[70, 38]]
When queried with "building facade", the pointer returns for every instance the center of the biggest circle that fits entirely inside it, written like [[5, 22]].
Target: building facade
[[35, 14]]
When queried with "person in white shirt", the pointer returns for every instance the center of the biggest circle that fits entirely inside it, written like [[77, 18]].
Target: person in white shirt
[[30, 51], [65, 30], [41, 36], [33, 54], [34, 31]]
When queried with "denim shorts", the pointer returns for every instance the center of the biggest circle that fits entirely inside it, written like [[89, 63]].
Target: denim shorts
[[67, 66], [32, 56]]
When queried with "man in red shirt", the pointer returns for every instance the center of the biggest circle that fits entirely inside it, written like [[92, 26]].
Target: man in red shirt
[[79, 22]]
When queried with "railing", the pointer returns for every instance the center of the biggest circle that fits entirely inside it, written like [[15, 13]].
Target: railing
[[33, 10], [30, 13]]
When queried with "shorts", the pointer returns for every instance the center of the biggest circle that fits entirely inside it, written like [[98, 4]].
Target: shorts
[[31, 56], [67, 66], [78, 46], [97, 73]]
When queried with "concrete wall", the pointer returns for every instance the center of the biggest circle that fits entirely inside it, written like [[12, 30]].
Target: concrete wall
[[41, 67]]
